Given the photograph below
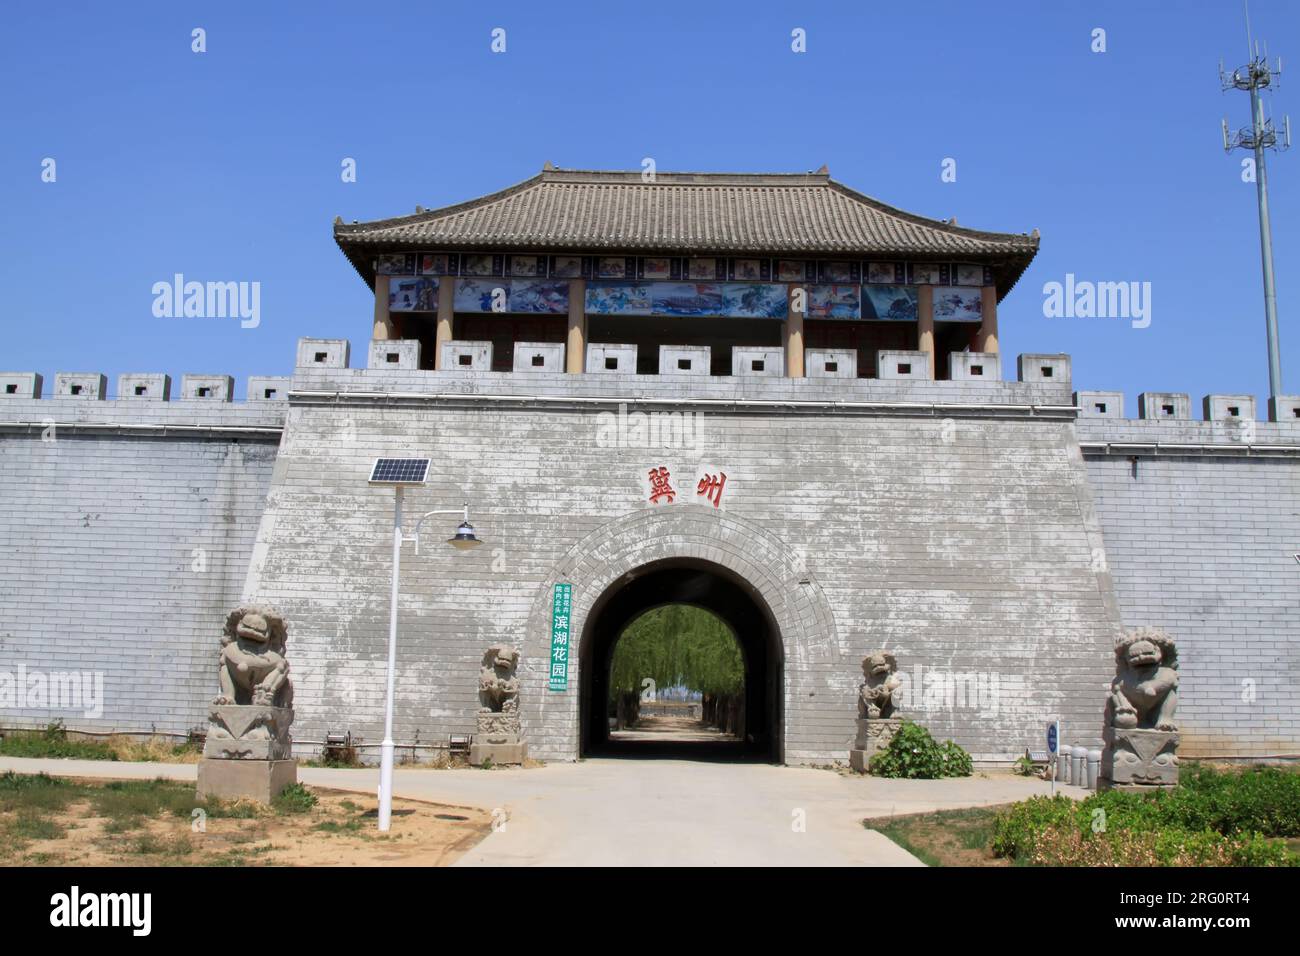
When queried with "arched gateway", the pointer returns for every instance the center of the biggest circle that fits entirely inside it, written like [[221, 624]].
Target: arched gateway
[[693, 555]]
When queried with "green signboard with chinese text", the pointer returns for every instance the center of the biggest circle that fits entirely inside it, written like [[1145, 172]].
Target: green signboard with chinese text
[[560, 636]]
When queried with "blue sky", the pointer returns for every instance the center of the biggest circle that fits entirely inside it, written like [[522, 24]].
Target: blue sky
[[225, 165]]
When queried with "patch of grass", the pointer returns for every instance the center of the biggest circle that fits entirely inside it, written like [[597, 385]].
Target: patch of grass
[[53, 742], [29, 824], [294, 798], [944, 838], [125, 801], [150, 845], [335, 826], [35, 791], [153, 750], [242, 856]]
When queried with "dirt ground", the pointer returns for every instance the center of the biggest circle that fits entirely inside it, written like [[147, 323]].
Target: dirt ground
[[340, 830], [666, 727]]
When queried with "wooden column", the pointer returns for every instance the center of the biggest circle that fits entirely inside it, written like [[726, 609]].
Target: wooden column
[[384, 328], [988, 336], [446, 312], [575, 348], [792, 331], [925, 323]]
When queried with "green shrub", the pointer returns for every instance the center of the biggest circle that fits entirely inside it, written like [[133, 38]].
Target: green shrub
[[1016, 831], [1065, 845], [294, 798], [1212, 818], [914, 754]]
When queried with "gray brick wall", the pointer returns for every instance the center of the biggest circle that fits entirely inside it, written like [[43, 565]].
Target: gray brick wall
[[1202, 542], [962, 538], [973, 527], [106, 519]]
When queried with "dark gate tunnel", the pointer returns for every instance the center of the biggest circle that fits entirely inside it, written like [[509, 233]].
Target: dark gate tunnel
[[715, 589]]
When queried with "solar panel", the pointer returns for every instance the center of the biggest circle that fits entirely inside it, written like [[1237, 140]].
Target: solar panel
[[400, 471]]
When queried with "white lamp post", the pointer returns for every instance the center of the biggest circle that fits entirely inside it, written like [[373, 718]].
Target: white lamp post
[[400, 472]]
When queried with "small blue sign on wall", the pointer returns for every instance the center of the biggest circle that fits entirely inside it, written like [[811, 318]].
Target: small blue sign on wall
[[1051, 738]]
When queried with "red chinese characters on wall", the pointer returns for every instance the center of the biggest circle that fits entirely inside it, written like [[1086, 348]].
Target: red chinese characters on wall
[[660, 488], [710, 487]]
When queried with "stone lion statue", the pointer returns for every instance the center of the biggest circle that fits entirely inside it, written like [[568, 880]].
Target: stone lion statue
[[498, 687], [253, 668], [876, 693], [1145, 690]]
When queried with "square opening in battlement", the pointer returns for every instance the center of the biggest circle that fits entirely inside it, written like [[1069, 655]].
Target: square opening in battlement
[[465, 360], [1100, 407], [611, 364], [141, 389], [205, 391], [684, 364], [977, 369], [539, 361], [1234, 410], [1046, 370], [321, 356], [11, 389], [757, 365], [392, 358], [1166, 409], [269, 393], [832, 366], [904, 368], [74, 390]]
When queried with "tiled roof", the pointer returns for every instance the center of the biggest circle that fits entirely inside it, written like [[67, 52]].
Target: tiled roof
[[686, 213]]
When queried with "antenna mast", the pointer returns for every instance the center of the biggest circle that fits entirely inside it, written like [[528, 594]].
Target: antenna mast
[[1259, 136]]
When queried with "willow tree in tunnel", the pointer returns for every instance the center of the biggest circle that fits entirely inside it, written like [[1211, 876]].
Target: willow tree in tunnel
[[679, 646]]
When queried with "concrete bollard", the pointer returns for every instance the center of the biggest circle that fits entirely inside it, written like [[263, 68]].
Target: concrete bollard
[[1063, 763], [1094, 768], [1078, 771]]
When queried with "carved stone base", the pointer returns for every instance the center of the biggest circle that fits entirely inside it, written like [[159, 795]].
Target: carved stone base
[[1140, 758], [260, 780], [248, 732], [874, 735], [499, 739], [498, 724], [515, 752]]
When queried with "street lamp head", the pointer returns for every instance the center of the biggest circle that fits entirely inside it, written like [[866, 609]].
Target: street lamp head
[[464, 538]]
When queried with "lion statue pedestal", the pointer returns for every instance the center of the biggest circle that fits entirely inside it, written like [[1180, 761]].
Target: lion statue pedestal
[[876, 725], [1141, 736], [499, 735], [248, 753]]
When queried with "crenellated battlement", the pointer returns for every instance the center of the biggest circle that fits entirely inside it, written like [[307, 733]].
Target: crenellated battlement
[[1177, 407], [145, 387], [905, 379]]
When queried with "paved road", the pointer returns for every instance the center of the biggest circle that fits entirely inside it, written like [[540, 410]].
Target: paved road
[[652, 812]]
